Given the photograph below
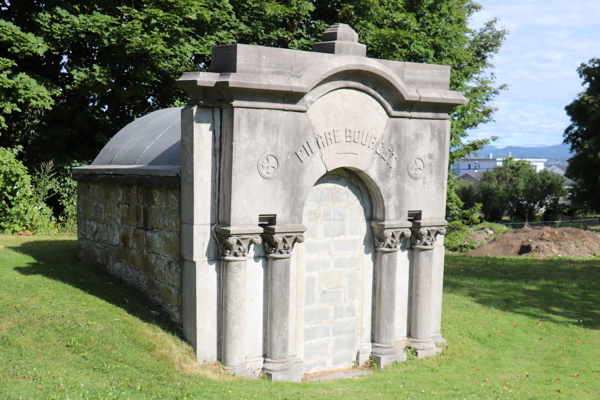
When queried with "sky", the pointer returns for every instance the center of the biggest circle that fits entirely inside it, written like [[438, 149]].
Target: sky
[[546, 43]]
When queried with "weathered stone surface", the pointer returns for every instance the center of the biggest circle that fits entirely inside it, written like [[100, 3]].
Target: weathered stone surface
[[354, 148], [170, 244], [171, 199], [153, 241], [170, 296], [111, 221], [154, 197]]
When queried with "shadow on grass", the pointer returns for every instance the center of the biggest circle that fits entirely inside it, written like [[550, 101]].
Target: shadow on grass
[[565, 291], [57, 259]]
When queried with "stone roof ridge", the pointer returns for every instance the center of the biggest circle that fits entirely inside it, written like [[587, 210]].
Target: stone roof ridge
[[340, 39], [341, 33]]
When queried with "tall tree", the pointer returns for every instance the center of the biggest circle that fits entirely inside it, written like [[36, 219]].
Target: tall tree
[[583, 135], [516, 189], [23, 94], [101, 64]]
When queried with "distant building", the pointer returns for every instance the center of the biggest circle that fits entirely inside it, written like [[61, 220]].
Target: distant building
[[472, 176], [558, 169], [561, 170], [485, 164]]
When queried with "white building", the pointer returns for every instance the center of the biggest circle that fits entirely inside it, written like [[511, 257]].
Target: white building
[[477, 164]]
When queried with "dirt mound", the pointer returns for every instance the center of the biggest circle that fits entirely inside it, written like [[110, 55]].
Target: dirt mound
[[542, 241]]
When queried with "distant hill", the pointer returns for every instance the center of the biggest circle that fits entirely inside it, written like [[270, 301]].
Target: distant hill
[[557, 151]]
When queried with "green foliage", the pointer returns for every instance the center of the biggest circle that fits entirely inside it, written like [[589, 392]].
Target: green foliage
[[66, 191], [75, 72], [458, 213], [105, 64], [24, 95], [583, 135], [516, 189], [460, 240], [22, 199]]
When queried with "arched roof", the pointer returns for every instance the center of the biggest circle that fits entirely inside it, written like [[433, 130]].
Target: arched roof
[[153, 139]]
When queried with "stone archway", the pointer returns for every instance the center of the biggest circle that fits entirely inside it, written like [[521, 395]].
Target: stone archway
[[338, 269]]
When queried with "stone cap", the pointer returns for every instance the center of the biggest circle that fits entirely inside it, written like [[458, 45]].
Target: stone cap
[[246, 76], [285, 228], [426, 223], [340, 39], [391, 224], [145, 170]]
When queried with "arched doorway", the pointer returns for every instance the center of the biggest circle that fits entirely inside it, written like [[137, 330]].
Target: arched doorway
[[338, 272]]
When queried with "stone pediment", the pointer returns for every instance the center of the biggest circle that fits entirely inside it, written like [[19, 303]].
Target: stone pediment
[[263, 77]]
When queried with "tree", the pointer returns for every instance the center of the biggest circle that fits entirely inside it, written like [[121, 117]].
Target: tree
[[103, 64], [23, 94], [514, 188], [87, 69], [583, 135]]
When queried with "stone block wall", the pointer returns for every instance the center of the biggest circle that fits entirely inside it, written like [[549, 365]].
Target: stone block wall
[[335, 214], [133, 232]]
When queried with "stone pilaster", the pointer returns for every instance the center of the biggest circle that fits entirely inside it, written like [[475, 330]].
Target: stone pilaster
[[388, 239], [234, 244], [279, 242], [424, 234]]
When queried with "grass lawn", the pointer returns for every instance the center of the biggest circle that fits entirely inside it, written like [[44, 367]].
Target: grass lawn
[[517, 329]]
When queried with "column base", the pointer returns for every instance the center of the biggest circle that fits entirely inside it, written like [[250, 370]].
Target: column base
[[240, 370], [438, 339], [385, 355], [422, 344], [288, 370], [383, 360], [428, 352]]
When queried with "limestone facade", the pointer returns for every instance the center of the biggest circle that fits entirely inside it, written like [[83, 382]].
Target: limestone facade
[[311, 207]]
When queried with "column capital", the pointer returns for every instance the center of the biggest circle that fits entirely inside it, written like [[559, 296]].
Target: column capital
[[424, 233], [235, 241], [280, 239], [388, 235]]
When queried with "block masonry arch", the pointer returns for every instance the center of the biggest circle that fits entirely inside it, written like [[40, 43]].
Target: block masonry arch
[[257, 135], [335, 266]]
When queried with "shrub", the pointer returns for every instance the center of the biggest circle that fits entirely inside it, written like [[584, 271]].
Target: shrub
[[22, 206]]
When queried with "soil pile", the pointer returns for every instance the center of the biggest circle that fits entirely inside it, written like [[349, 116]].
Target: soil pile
[[542, 241]]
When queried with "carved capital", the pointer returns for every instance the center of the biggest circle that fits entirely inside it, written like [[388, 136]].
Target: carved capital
[[424, 237], [235, 247], [389, 239], [280, 245]]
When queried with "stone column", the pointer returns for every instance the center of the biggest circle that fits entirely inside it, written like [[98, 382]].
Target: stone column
[[200, 138], [423, 241], [234, 243], [279, 242], [388, 238]]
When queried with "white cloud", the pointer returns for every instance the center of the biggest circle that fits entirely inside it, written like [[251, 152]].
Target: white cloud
[[548, 40]]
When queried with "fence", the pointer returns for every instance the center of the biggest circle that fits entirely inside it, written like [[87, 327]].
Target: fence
[[585, 223]]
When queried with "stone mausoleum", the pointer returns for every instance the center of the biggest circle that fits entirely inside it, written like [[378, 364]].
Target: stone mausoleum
[[291, 217]]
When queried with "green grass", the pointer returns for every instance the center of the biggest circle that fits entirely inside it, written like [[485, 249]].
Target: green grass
[[460, 240], [517, 329]]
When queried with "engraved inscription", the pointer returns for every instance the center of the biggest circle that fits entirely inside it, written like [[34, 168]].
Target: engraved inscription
[[268, 166], [416, 168], [305, 152], [349, 136]]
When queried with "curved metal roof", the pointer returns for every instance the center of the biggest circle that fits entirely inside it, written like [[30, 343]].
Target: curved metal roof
[[153, 139]]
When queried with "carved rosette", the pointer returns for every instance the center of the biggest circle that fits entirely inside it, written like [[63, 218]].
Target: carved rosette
[[280, 245], [389, 239], [235, 247], [424, 238]]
